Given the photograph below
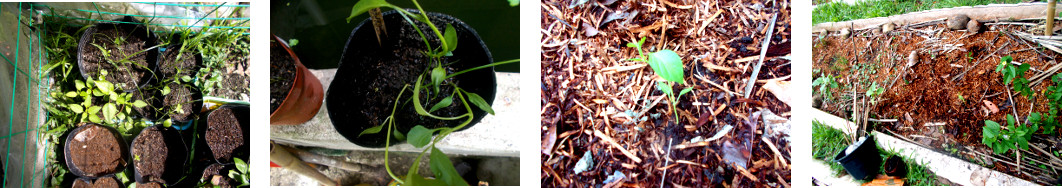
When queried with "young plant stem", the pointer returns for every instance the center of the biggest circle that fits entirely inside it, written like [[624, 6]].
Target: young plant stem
[[481, 67], [387, 142]]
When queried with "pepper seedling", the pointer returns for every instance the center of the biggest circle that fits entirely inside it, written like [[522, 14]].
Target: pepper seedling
[[668, 65]]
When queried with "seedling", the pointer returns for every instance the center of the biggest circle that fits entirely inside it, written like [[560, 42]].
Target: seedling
[[668, 65], [1002, 140], [419, 136], [825, 84], [1015, 74]]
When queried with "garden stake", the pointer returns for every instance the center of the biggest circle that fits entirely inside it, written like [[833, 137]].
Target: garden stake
[[281, 156]]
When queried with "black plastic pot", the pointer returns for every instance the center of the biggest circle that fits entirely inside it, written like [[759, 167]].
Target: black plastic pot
[[217, 125], [895, 167], [862, 163], [175, 157], [69, 158], [132, 28], [361, 77], [101, 182]]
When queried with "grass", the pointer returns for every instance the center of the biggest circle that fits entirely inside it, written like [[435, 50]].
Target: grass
[[836, 12], [827, 142]]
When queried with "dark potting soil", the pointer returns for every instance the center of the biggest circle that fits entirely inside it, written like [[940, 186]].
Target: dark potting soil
[[150, 97], [380, 72], [148, 185], [96, 151], [104, 182], [151, 153], [234, 83], [188, 97], [171, 66], [225, 133], [281, 75], [214, 174], [119, 43]]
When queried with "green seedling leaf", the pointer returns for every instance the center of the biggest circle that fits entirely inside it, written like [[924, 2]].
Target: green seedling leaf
[[167, 123], [293, 42], [364, 6], [419, 136], [444, 169], [990, 132], [443, 103], [97, 92], [437, 76], [398, 135], [105, 87], [478, 101], [240, 164], [186, 78], [684, 91], [668, 65], [79, 84], [76, 108], [513, 3], [139, 104], [371, 130], [165, 90], [451, 38], [71, 94], [109, 111], [664, 87]]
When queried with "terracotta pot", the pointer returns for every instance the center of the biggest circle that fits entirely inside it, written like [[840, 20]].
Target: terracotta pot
[[304, 98]]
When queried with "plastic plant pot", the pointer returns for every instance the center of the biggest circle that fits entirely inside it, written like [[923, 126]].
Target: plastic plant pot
[[895, 167], [94, 150], [863, 162], [372, 73], [159, 154], [304, 98], [227, 133], [129, 33]]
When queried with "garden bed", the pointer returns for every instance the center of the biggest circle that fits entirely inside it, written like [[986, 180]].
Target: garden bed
[[942, 98], [604, 111]]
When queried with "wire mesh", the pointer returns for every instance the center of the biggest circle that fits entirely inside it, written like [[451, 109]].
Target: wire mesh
[[27, 139]]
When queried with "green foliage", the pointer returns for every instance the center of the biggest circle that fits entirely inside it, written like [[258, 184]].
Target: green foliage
[[825, 84], [1054, 98], [1002, 140], [1015, 75], [668, 65], [840, 11], [241, 174]]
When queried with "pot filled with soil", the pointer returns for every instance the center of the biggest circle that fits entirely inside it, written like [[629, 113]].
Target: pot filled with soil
[[216, 174], [895, 167], [149, 185], [372, 73], [185, 100], [153, 100], [295, 94], [102, 182], [158, 154], [123, 53], [94, 150], [228, 132], [173, 63], [861, 159]]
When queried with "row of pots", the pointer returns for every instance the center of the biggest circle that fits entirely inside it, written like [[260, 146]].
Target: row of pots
[[95, 153], [360, 91]]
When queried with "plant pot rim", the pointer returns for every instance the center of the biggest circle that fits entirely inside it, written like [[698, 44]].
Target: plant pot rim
[[304, 81], [122, 145], [471, 46], [182, 146], [196, 102], [151, 56]]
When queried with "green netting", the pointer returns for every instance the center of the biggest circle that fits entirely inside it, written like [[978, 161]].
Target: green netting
[[27, 140]]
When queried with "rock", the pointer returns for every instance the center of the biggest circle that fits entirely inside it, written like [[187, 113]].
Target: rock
[[912, 59], [974, 27], [958, 22], [845, 32], [888, 27]]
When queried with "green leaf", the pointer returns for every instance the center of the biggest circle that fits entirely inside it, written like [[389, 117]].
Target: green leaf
[[444, 169], [94, 118], [371, 130], [293, 42], [450, 35], [240, 164], [443, 103], [684, 91], [513, 3], [437, 76], [109, 111], [478, 101], [93, 109], [79, 84], [71, 94], [664, 87], [105, 87], [165, 90], [364, 6], [139, 104], [398, 135], [668, 65], [419, 136], [989, 132], [76, 108], [186, 78]]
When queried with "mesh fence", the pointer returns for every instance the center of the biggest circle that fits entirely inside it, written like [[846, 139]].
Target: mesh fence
[[35, 70]]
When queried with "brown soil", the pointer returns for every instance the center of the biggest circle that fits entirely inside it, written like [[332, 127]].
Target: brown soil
[[188, 97], [105, 182], [149, 185], [150, 97], [235, 80], [590, 89], [95, 150], [150, 152], [224, 133], [216, 175], [936, 90], [171, 66], [281, 75], [121, 43]]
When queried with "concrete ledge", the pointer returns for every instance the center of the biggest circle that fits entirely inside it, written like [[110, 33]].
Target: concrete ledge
[[491, 137]]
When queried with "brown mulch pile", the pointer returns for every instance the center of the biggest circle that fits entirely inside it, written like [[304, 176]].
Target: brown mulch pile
[[942, 101], [596, 101]]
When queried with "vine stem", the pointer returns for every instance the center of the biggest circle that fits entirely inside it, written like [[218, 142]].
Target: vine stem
[[482, 67], [387, 142]]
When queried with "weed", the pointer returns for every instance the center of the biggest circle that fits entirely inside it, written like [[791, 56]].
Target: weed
[[668, 65]]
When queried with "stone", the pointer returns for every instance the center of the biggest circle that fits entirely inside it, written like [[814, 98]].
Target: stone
[[974, 27], [958, 22]]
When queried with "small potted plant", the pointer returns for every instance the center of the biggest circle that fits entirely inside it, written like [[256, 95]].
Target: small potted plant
[[94, 150], [861, 159], [295, 93], [158, 155], [227, 132], [126, 50]]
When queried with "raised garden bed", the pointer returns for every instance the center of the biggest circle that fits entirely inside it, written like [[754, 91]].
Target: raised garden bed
[[603, 116], [927, 83]]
